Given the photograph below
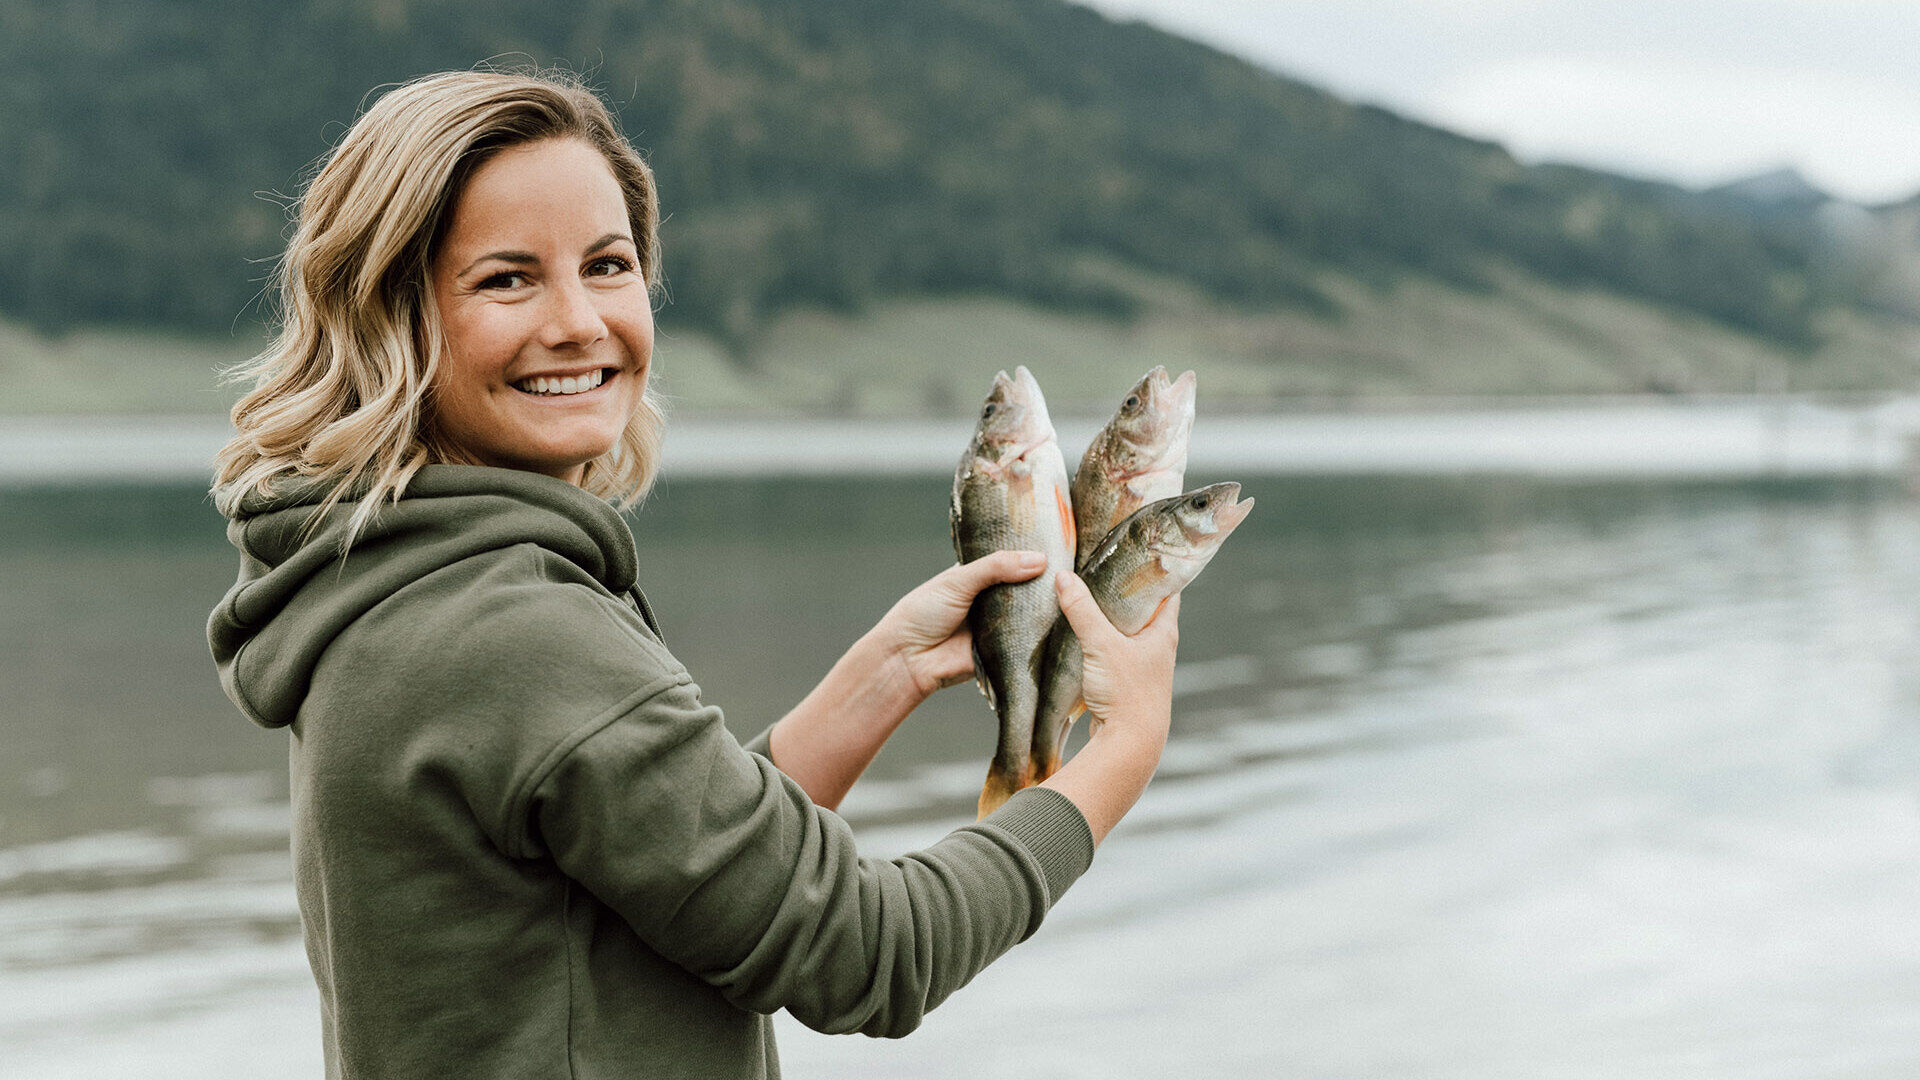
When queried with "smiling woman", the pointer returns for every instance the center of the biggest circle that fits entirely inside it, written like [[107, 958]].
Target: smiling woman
[[548, 323], [523, 845], [376, 370]]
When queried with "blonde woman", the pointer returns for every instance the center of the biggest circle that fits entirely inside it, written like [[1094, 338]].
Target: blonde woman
[[523, 845]]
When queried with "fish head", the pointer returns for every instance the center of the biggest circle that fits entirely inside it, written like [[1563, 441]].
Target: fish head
[[1014, 418], [1155, 419], [1188, 529]]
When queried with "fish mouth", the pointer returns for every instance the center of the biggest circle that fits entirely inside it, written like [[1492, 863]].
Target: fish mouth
[[1181, 391], [1018, 422], [1225, 510], [1165, 418], [1227, 517]]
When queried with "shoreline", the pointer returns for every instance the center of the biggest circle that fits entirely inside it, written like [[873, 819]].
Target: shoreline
[[1661, 438]]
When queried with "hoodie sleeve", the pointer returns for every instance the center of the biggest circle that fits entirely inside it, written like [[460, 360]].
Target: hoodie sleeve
[[723, 864]]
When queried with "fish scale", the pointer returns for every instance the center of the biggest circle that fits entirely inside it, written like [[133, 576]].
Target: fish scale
[[1139, 456], [1153, 554], [1011, 492]]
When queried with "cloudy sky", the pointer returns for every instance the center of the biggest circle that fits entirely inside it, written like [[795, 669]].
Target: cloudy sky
[[1698, 91]]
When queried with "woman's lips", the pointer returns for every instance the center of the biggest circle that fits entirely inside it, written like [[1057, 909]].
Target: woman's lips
[[566, 386]]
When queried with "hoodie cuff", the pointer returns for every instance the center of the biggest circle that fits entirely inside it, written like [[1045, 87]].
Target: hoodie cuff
[[761, 744], [1053, 831]]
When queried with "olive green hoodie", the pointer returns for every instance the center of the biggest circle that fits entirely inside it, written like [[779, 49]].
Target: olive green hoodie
[[524, 847]]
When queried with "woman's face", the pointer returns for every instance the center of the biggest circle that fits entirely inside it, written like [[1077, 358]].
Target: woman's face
[[548, 323]]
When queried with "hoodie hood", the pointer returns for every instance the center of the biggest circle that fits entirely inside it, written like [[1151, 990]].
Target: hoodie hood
[[296, 593]]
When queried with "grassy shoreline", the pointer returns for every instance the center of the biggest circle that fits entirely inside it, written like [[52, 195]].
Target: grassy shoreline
[[1412, 345]]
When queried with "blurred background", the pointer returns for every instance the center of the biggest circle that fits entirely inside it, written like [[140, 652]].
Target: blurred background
[[1555, 714]]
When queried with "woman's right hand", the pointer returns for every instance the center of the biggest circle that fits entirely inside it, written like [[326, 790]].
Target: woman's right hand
[[1128, 680], [1128, 684]]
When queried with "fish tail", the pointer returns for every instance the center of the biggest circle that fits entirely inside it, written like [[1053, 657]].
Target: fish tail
[[1000, 786], [1010, 770]]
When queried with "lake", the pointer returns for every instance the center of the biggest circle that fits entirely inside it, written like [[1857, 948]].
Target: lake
[[1472, 776]]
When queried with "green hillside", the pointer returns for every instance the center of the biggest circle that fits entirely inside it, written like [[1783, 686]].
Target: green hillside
[[842, 162]]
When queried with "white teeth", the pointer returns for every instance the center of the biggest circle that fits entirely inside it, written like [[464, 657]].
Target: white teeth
[[573, 384]]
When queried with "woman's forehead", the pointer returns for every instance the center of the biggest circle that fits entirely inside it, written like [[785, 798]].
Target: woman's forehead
[[555, 193]]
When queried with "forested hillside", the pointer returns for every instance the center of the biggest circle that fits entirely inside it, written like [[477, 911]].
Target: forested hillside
[[830, 154]]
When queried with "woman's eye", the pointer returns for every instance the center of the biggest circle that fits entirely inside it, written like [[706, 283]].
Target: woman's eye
[[506, 279], [608, 265]]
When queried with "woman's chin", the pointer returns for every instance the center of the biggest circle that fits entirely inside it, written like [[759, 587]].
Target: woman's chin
[[562, 458]]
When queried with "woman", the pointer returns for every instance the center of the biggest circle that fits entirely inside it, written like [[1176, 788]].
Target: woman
[[523, 846]]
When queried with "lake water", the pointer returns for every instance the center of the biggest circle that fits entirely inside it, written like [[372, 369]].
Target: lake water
[[1471, 777]]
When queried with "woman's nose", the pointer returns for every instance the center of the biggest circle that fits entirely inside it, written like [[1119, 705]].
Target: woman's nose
[[572, 318]]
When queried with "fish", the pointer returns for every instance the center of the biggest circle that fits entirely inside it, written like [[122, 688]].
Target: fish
[[1140, 456], [1011, 492], [1157, 551]]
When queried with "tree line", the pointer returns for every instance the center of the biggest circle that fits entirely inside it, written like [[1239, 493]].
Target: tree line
[[828, 153]]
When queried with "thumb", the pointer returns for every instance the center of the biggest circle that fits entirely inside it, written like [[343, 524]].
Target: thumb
[[1083, 613], [962, 583]]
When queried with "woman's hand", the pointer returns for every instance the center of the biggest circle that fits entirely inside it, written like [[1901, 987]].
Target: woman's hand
[[920, 645], [1128, 684], [926, 632], [1128, 681]]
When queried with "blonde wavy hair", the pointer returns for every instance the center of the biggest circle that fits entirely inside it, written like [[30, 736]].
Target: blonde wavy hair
[[342, 396]]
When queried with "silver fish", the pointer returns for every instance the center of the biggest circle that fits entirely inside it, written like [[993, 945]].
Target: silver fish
[[1010, 491], [1150, 556], [1140, 456]]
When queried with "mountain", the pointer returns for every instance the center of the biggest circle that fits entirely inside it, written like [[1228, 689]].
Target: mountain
[[832, 167], [1784, 187]]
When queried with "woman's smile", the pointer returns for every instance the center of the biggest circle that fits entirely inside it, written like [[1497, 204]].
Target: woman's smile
[[565, 385], [548, 323]]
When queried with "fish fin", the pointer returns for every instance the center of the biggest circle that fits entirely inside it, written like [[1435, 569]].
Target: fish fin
[[1061, 500], [980, 678], [997, 790], [1066, 726], [1108, 544]]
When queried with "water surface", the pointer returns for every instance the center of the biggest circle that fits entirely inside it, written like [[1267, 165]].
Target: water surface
[[1471, 777]]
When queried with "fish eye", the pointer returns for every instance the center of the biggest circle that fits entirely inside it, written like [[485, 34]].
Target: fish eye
[[1199, 502], [987, 413], [1133, 402]]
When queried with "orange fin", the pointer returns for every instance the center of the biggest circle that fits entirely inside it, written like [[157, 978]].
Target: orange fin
[[1066, 517], [997, 790]]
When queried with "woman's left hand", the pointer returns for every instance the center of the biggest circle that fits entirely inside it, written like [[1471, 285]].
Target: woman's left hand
[[920, 645], [927, 629]]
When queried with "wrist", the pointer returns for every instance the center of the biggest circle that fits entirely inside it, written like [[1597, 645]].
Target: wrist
[[1135, 736], [891, 677]]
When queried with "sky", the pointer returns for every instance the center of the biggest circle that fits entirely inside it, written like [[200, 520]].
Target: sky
[[1695, 91]]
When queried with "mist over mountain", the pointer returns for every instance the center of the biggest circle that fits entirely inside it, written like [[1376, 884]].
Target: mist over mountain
[[831, 154], [1785, 188]]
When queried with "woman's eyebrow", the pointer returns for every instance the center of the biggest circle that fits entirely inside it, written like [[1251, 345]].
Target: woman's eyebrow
[[517, 258], [610, 238], [527, 258]]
